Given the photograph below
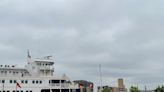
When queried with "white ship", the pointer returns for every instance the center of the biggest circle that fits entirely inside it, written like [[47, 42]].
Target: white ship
[[36, 76]]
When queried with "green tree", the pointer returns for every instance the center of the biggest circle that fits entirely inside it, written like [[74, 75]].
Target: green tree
[[159, 89], [162, 88], [106, 89], [134, 89]]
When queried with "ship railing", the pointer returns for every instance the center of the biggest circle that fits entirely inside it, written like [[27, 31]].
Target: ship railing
[[45, 67], [64, 85], [55, 84], [60, 84]]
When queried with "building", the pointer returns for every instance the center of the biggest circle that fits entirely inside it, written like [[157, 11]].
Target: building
[[85, 86], [120, 88]]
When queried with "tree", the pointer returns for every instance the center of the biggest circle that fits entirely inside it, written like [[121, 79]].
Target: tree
[[159, 89], [134, 89], [162, 88], [106, 89]]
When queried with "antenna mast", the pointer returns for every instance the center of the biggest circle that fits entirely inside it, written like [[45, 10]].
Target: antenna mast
[[100, 74], [28, 54]]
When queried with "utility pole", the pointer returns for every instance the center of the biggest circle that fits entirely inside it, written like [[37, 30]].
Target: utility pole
[[145, 88], [100, 74]]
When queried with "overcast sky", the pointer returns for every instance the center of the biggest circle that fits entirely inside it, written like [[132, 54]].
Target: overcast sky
[[124, 36]]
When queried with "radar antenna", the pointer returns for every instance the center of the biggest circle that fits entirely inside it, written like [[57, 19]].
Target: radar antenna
[[28, 54]]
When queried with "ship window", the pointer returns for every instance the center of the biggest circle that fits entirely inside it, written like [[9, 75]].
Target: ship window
[[37, 82], [21, 90], [14, 81], [13, 90], [11, 81], [17, 91], [55, 81], [30, 90], [26, 90], [4, 91], [8, 91], [22, 81], [40, 82], [3, 81], [26, 81], [62, 81], [33, 81], [1, 71]]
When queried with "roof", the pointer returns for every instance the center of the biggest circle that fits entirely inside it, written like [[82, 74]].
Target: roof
[[83, 82]]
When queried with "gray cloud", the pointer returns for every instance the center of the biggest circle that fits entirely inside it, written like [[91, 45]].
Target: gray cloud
[[125, 37]]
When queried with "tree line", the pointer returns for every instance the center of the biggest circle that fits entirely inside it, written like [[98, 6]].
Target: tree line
[[136, 89]]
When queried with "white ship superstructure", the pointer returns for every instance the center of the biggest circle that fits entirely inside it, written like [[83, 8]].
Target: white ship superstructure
[[36, 76]]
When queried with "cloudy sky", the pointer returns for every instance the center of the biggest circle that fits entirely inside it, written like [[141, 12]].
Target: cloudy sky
[[124, 36]]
